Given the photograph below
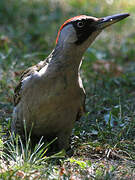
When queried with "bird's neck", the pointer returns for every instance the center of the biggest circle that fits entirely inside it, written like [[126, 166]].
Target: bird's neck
[[66, 58]]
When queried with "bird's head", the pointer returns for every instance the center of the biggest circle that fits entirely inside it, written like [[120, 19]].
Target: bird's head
[[80, 31]]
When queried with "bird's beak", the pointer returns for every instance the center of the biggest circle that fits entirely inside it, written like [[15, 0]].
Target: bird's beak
[[109, 20]]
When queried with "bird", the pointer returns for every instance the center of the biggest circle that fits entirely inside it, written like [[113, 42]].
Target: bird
[[50, 96]]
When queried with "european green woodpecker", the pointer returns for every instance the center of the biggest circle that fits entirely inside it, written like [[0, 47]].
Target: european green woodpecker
[[50, 96]]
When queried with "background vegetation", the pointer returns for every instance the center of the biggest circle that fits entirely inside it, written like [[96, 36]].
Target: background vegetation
[[103, 141]]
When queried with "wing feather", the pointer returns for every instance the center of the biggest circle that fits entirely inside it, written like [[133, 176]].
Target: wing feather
[[28, 72]]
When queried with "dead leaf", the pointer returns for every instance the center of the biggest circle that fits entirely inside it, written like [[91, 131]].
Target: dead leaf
[[20, 174], [4, 40], [107, 67], [62, 171]]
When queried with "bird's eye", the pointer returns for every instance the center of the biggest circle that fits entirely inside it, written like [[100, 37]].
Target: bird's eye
[[80, 24]]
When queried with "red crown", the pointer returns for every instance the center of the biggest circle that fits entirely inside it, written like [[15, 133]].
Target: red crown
[[70, 20]]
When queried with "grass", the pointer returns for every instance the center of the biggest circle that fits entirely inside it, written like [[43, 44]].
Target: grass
[[103, 140]]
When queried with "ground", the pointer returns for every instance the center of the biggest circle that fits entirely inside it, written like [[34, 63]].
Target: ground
[[102, 142]]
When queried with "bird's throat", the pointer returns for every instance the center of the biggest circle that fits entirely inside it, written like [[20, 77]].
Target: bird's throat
[[66, 58]]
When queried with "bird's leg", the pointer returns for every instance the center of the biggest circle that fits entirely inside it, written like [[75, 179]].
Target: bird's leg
[[63, 140]]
